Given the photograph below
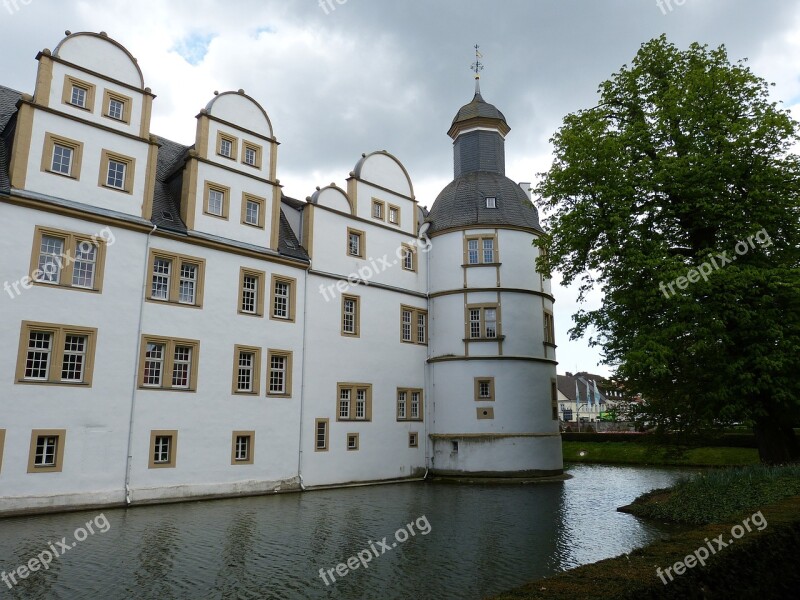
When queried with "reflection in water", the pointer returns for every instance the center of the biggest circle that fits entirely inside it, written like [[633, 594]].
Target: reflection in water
[[483, 539]]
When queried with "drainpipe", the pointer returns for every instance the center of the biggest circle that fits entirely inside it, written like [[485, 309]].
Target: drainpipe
[[303, 382], [429, 383], [136, 367]]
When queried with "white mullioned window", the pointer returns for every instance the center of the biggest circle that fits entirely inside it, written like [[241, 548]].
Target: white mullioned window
[[280, 305], [472, 252], [116, 109], [490, 319], [408, 259], [252, 215], [344, 403], [216, 200], [154, 364], [349, 316], [37, 362], [475, 323], [246, 371], [188, 284], [409, 405], [85, 267], [226, 148], [354, 244], [62, 159], [321, 434], [46, 451], [277, 374], [116, 174], [249, 294], [402, 401], [394, 215], [242, 447], [78, 97], [51, 252], [488, 250], [250, 156], [481, 250], [413, 325], [74, 360], [406, 325], [422, 328], [361, 404], [414, 412], [162, 272], [162, 449], [182, 367]]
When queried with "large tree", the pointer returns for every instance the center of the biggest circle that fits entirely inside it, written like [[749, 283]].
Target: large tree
[[652, 197]]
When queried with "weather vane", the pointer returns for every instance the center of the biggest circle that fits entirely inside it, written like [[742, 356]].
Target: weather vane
[[477, 66]]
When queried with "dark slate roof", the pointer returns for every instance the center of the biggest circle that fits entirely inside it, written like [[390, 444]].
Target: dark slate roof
[[167, 197], [478, 108], [294, 203], [8, 108], [463, 203]]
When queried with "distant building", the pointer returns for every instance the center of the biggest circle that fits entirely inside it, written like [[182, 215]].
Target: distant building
[[176, 327], [588, 397]]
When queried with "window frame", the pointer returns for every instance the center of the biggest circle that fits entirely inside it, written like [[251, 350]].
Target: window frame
[[408, 249], [234, 142], [238, 350], [409, 391], [71, 242], [413, 439], [549, 325], [478, 382], [356, 333], [262, 205], [168, 365], [210, 186], [396, 209], [480, 238], [378, 203], [291, 304], [106, 157], [89, 88], [288, 356], [55, 365], [327, 434], [127, 106], [259, 150], [554, 399], [355, 447], [354, 388], [50, 142], [173, 448], [261, 277], [177, 262], [482, 308], [415, 314], [362, 243], [251, 447], [61, 442]]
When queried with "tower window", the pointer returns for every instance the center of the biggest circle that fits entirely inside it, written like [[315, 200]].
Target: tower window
[[491, 202]]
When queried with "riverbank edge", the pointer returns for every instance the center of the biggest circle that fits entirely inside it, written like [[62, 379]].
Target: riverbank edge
[[648, 454], [761, 564]]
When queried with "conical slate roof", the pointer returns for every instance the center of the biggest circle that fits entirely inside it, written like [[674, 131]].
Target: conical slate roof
[[463, 203], [478, 108]]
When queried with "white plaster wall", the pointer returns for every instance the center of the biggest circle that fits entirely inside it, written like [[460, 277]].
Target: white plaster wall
[[334, 198], [236, 108], [267, 148], [86, 190], [232, 228], [96, 112], [385, 172], [99, 55], [365, 192], [504, 454]]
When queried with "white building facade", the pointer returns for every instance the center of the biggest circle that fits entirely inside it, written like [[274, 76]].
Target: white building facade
[[176, 327]]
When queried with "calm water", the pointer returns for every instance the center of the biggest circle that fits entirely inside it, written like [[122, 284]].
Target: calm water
[[482, 540]]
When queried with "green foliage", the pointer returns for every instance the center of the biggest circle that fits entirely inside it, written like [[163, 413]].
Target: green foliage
[[718, 495], [642, 453], [684, 157]]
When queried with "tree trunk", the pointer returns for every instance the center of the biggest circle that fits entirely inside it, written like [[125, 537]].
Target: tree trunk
[[777, 443]]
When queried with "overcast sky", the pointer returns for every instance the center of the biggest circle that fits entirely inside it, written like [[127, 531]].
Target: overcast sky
[[363, 75]]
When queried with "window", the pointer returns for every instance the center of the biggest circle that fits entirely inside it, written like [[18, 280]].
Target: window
[[176, 279], [70, 260], [352, 441], [168, 364], [46, 453], [117, 106], [251, 155], [554, 398], [491, 202], [549, 328], [321, 435], [246, 370], [481, 250], [279, 363], [378, 209], [484, 389], [163, 449], [251, 292], [116, 171], [226, 145], [351, 316], [413, 440], [354, 402], [283, 298], [77, 93], [56, 354], [413, 325], [394, 215], [253, 210], [62, 156], [355, 242], [409, 258], [216, 200], [483, 322], [409, 405], [243, 447]]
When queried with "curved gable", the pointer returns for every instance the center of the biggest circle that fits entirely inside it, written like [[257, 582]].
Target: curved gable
[[240, 109], [384, 170], [333, 197], [99, 53]]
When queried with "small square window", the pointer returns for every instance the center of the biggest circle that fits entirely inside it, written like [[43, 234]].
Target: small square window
[[46, 451], [242, 447], [378, 208], [226, 148], [163, 449], [394, 215], [117, 171], [413, 440], [62, 159], [116, 174], [250, 157], [491, 202], [115, 109], [355, 243], [79, 95], [352, 441], [226, 145]]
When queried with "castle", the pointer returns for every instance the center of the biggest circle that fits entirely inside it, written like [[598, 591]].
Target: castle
[[176, 327]]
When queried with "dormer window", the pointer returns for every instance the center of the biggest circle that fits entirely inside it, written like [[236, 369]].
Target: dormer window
[[78, 93], [226, 145], [79, 96], [226, 148], [491, 202]]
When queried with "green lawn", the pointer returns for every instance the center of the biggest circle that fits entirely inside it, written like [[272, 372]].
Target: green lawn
[[636, 453]]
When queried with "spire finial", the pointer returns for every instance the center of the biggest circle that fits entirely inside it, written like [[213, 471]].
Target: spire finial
[[477, 66]]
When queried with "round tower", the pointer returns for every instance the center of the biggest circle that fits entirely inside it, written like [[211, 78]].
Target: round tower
[[492, 355]]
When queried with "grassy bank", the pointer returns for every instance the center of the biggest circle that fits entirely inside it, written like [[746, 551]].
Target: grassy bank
[[718, 495], [647, 453]]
